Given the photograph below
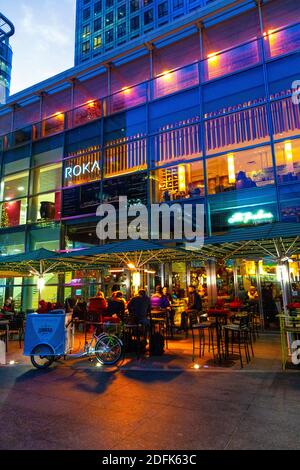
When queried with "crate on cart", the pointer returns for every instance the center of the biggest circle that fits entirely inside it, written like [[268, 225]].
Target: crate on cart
[[52, 333]]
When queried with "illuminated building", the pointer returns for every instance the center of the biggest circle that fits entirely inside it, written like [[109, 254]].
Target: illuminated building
[[104, 25], [202, 113], [6, 31]]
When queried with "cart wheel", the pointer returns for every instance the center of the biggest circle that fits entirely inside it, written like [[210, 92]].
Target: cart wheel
[[108, 350], [44, 360]]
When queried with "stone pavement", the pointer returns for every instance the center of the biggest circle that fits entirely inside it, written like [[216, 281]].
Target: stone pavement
[[152, 404]]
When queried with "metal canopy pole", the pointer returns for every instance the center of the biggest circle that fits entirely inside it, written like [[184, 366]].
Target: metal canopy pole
[[259, 291]]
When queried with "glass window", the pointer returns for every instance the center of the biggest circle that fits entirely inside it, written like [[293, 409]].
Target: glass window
[[162, 9], [15, 165], [121, 30], [46, 178], [288, 161], [48, 157], [48, 238], [177, 4], [86, 31], [13, 213], [109, 18], [240, 170], [97, 41], [97, 8], [134, 5], [97, 24], [12, 243], [121, 12], [109, 36], [148, 16], [179, 182], [14, 186], [86, 14], [135, 23], [45, 207], [86, 47], [109, 3]]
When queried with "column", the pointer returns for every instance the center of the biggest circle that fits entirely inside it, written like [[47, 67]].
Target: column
[[235, 279], [211, 281], [284, 272]]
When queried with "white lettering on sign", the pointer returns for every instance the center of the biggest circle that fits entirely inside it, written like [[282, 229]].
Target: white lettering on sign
[[78, 170]]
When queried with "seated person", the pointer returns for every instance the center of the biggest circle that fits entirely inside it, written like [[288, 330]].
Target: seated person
[[139, 307], [116, 305], [43, 307], [194, 304], [9, 306], [96, 307], [159, 300], [243, 182], [193, 191], [166, 196]]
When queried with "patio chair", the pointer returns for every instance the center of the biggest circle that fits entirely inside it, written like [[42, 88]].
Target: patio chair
[[16, 327], [238, 334], [132, 334]]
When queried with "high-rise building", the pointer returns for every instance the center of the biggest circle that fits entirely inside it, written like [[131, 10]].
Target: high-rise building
[[102, 25], [6, 31]]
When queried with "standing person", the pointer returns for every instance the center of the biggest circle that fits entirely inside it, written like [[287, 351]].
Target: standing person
[[269, 306], [168, 300], [194, 303], [70, 304], [139, 306]]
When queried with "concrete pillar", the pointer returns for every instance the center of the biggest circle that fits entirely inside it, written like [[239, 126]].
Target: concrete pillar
[[211, 281]]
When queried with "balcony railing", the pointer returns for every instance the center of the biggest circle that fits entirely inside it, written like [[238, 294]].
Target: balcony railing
[[216, 65]]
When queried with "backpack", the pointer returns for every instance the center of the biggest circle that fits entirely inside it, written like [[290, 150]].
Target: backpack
[[157, 344]]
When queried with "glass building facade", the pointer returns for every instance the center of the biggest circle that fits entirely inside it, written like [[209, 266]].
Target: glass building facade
[[6, 31], [211, 125], [103, 25]]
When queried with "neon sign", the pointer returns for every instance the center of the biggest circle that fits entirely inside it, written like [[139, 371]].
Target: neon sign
[[80, 170], [260, 216]]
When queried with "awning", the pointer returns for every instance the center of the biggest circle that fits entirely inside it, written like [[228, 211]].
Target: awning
[[135, 252], [34, 263], [274, 240]]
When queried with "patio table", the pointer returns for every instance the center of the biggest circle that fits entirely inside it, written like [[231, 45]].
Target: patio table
[[221, 317]]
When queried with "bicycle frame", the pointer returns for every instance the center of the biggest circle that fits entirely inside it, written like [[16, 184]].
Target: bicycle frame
[[88, 351]]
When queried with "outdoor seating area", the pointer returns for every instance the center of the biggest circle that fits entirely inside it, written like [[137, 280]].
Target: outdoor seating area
[[151, 320]]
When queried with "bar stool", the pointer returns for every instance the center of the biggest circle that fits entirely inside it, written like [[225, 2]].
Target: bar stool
[[201, 328], [159, 319]]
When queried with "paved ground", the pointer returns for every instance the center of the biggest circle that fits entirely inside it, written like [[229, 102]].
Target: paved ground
[[151, 405]]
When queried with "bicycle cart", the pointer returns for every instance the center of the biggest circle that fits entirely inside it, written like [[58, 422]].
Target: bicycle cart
[[48, 337]]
